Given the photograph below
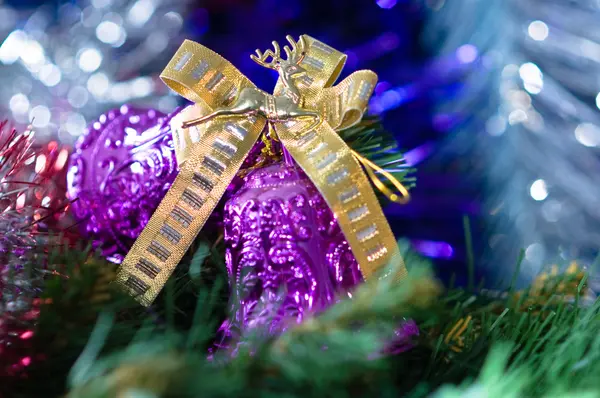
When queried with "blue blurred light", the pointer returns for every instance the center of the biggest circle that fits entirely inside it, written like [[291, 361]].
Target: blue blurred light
[[387, 4], [200, 24], [352, 60], [434, 249], [392, 98], [382, 86], [388, 41], [467, 53], [446, 121], [418, 154]]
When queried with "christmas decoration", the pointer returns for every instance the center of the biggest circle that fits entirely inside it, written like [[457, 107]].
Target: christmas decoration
[[26, 204], [20, 287], [285, 254], [32, 176], [282, 240], [526, 328], [213, 138], [119, 172], [538, 341]]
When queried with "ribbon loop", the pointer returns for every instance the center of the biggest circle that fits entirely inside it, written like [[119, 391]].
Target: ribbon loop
[[344, 105], [203, 76]]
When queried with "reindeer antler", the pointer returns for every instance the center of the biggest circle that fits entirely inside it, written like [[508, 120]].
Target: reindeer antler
[[261, 58], [296, 54]]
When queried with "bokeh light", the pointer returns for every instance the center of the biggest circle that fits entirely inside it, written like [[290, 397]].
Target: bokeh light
[[538, 30], [89, 59], [539, 190]]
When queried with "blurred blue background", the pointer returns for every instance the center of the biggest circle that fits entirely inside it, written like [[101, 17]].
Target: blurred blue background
[[495, 102]]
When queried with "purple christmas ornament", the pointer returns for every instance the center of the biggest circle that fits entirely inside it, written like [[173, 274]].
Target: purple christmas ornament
[[120, 170], [286, 254]]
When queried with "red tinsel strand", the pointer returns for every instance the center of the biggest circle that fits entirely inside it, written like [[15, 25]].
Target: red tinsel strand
[[33, 205]]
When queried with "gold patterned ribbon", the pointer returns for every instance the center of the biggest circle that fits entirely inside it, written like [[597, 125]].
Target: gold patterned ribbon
[[210, 155]]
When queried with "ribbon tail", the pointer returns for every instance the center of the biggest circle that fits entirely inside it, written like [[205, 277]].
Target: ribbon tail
[[371, 168], [332, 167], [207, 172]]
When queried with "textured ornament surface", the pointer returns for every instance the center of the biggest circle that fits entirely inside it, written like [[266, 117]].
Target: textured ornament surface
[[285, 255], [119, 172]]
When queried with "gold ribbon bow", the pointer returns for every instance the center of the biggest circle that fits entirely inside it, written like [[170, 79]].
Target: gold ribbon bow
[[213, 137]]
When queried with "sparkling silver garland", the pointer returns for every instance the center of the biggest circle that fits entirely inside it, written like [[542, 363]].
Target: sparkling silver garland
[[62, 68], [532, 102]]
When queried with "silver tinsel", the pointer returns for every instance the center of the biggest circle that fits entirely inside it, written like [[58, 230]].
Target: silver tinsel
[[21, 268], [62, 68], [532, 103], [20, 283]]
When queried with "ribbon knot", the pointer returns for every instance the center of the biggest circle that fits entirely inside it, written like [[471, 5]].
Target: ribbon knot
[[213, 137]]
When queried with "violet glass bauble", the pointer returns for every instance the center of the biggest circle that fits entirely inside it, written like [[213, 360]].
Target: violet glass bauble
[[122, 167], [120, 170], [286, 254]]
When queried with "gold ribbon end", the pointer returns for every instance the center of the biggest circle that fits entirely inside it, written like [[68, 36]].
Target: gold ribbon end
[[402, 197]]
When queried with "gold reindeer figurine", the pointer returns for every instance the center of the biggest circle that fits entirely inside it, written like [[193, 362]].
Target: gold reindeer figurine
[[280, 108]]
